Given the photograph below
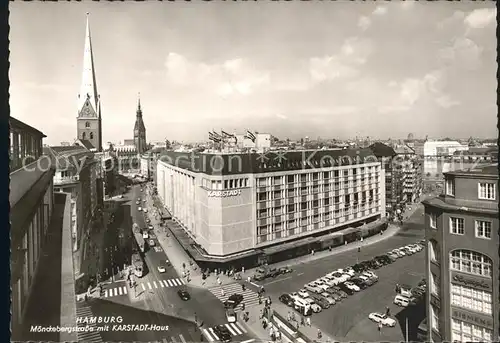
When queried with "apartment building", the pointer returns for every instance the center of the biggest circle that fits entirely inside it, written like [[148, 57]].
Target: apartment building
[[233, 204], [461, 229]]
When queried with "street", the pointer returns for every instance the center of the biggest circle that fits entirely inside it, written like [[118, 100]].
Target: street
[[348, 319], [155, 299]]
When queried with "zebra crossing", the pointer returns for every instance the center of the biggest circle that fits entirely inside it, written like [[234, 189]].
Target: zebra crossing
[[113, 292], [87, 336], [223, 292], [162, 284], [235, 329]]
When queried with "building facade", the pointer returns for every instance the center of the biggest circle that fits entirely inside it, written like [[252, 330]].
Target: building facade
[[461, 232], [31, 203], [77, 174], [234, 203], [89, 120], [433, 149], [395, 178]]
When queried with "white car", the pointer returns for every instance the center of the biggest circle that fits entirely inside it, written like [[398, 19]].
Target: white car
[[334, 279], [349, 271], [303, 293], [139, 208], [382, 319], [145, 210], [370, 274], [352, 286], [401, 252], [341, 277], [324, 287], [162, 269], [316, 308]]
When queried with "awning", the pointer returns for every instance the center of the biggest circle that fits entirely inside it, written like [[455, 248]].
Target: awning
[[289, 245]]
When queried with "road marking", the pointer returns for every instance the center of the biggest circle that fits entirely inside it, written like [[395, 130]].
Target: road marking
[[173, 339], [182, 338], [256, 285], [182, 282], [300, 274], [154, 282], [143, 287], [235, 327], [241, 327], [125, 290], [248, 341], [149, 285], [120, 290], [213, 333], [165, 340], [230, 329], [287, 278], [169, 282], [161, 284], [207, 335]]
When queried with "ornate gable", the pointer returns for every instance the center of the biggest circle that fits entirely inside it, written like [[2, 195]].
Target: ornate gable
[[87, 110]]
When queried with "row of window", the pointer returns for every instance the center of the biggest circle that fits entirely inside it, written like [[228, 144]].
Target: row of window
[[225, 184], [482, 228], [293, 227], [471, 262], [471, 298], [315, 176], [277, 211], [467, 332], [353, 197], [23, 145], [485, 190]]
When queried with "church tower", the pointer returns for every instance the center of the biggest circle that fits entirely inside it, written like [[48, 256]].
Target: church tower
[[139, 130], [88, 122]]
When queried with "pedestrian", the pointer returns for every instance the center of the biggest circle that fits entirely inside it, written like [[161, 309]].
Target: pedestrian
[[380, 328], [308, 321], [289, 316], [297, 326], [261, 314], [319, 334], [387, 311], [260, 300]]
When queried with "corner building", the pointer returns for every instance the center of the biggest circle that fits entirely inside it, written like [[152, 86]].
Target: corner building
[[461, 231], [236, 204]]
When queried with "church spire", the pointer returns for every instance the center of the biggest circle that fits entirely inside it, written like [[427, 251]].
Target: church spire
[[88, 89], [139, 111]]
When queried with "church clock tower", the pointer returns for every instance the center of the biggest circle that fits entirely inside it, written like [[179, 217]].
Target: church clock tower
[[139, 130], [89, 125]]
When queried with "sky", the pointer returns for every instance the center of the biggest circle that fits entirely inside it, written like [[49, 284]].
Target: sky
[[294, 69]]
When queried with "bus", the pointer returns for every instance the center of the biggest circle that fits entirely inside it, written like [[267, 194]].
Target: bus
[[139, 238], [138, 265]]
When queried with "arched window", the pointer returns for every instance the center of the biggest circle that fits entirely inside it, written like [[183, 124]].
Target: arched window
[[470, 262], [83, 135], [87, 125], [91, 135]]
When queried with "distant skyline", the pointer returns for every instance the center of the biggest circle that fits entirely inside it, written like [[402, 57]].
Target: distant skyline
[[295, 69]]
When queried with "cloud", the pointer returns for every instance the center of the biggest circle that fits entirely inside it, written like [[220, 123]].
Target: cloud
[[234, 76], [480, 18], [46, 87], [446, 102], [380, 10], [464, 52], [364, 23], [353, 53]]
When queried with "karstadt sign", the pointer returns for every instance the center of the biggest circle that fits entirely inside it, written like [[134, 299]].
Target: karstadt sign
[[224, 194]]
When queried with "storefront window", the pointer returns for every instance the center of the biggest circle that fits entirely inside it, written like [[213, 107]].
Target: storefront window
[[471, 262]]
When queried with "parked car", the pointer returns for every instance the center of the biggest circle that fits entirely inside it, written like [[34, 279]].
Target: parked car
[[370, 274], [286, 299], [401, 301], [328, 298], [352, 286], [422, 282], [349, 271], [382, 318], [313, 288], [335, 296], [285, 270], [161, 269], [346, 289], [303, 293], [360, 283], [316, 308], [368, 280], [392, 256]]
